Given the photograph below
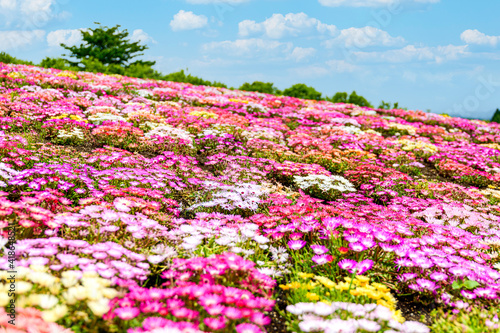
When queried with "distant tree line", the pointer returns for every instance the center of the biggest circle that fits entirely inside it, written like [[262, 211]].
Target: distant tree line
[[110, 51]]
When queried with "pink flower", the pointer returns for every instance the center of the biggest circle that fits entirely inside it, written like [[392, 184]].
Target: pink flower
[[248, 328], [296, 244], [319, 249], [347, 264], [232, 313], [426, 284], [322, 259], [364, 266], [357, 247], [438, 276], [127, 313], [215, 323]]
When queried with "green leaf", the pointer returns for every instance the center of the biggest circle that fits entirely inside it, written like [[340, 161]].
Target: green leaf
[[471, 284], [457, 284]]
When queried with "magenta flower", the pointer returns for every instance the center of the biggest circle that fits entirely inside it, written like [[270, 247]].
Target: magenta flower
[[215, 323], [127, 313], [296, 244], [347, 264], [357, 247], [364, 266], [322, 259], [426, 284], [468, 294], [438, 276], [248, 328], [319, 249]]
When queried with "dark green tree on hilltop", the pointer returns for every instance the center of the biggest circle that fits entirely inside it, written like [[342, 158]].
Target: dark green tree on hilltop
[[300, 90], [108, 46], [496, 117], [263, 87], [340, 97]]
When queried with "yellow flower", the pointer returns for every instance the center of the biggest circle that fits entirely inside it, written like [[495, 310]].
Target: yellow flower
[[326, 282], [305, 275], [312, 297], [204, 114]]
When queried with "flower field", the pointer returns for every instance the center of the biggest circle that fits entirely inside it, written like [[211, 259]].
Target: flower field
[[131, 205]]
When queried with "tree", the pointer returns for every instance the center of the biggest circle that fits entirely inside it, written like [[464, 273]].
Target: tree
[[496, 116], [300, 90], [262, 87], [58, 63], [340, 97], [8, 59], [181, 76], [109, 46], [358, 100], [387, 105]]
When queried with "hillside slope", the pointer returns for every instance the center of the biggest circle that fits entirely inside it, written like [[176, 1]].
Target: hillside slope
[[131, 205]]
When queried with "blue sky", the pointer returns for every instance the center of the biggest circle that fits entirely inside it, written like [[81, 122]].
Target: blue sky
[[441, 55]]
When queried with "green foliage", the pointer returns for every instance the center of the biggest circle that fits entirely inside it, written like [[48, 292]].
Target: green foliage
[[353, 98], [340, 97], [8, 59], [263, 87], [58, 63], [300, 90], [496, 116], [358, 100], [109, 46], [181, 76]]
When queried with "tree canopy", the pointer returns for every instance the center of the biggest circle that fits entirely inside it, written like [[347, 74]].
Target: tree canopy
[[496, 116], [109, 46], [262, 87], [301, 90]]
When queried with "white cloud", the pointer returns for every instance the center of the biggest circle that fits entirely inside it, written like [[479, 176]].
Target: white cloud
[[7, 4], [30, 14], [364, 37], [477, 37], [371, 3], [301, 53], [341, 66], [68, 37], [410, 53], [249, 47], [10, 40], [279, 26], [222, 2], [139, 35], [188, 21]]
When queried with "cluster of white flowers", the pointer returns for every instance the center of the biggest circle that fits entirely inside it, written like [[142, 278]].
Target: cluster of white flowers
[[167, 130], [324, 183], [217, 130], [74, 133], [363, 318], [6, 173], [257, 132], [99, 118], [230, 197]]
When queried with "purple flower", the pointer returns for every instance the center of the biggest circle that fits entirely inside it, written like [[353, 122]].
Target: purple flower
[[406, 277], [347, 264], [296, 244], [364, 266], [426, 284], [468, 294], [459, 271], [319, 249], [439, 276], [357, 247], [322, 259]]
